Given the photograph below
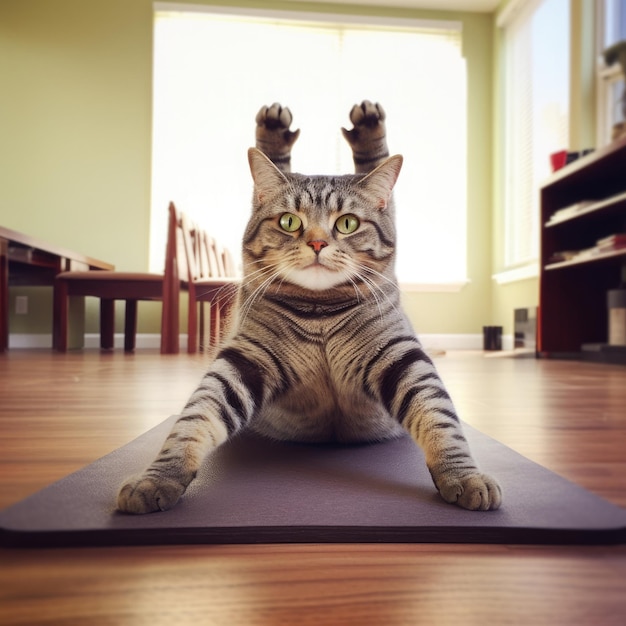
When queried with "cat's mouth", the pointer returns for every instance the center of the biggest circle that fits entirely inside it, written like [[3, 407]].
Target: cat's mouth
[[316, 276], [318, 265]]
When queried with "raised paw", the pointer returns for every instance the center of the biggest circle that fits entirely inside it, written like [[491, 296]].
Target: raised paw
[[476, 492], [273, 136], [146, 494], [368, 136]]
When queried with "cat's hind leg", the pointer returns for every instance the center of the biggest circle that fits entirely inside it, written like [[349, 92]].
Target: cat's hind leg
[[273, 136], [368, 137]]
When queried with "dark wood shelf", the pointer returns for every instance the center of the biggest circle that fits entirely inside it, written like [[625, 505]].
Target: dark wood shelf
[[594, 258], [573, 293], [614, 203]]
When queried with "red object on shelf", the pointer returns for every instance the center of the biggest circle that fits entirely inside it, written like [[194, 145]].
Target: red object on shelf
[[558, 160]]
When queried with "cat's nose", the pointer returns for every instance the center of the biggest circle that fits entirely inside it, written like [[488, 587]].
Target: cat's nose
[[317, 245]]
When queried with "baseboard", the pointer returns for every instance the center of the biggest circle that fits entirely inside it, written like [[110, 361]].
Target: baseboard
[[447, 341], [460, 341], [145, 341], [23, 341]]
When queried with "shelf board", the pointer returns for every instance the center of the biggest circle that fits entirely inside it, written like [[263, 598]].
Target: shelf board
[[588, 166], [607, 203], [587, 259]]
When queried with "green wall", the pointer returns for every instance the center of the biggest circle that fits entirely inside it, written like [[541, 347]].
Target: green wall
[[75, 127], [75, 122]]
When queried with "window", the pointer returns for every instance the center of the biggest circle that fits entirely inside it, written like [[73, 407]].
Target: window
[[536, 101], [212, 72], [611, 19]]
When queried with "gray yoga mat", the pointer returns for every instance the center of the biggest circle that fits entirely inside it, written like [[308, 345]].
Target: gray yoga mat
[[257, 491]]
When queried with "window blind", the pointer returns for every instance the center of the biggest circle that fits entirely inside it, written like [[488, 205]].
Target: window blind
[[212, 72], [536, 117], [611, 17]]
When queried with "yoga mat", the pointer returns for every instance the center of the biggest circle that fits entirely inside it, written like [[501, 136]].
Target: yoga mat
[[252, 490]]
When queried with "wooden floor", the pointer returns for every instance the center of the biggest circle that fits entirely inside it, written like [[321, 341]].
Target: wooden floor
[[60, 412]]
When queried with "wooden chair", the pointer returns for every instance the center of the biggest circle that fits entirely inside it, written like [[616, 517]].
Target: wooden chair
[[212, 281], [131, 287]]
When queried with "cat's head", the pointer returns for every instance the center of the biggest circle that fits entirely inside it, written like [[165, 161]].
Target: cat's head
[[319, 232]]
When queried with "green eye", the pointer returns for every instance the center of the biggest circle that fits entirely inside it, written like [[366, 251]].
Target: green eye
[[290, 222], [347, 224]]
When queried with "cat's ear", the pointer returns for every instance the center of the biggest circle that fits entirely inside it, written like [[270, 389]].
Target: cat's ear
[[380, 182], [265, 174]]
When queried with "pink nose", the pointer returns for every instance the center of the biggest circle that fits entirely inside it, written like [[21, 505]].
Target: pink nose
[[317, 245]]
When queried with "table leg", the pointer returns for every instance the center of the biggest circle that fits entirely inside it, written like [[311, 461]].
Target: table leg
[[4, 295], [107, 323], [130, 325]]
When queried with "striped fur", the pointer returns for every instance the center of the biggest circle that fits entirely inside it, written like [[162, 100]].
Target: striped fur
[[320, 349]]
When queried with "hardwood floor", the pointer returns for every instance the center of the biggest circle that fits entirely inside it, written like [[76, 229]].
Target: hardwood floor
[[61, 412]]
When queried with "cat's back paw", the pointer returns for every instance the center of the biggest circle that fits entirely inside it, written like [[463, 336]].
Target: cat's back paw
[[147, 494], [476, 492], [273, 136]]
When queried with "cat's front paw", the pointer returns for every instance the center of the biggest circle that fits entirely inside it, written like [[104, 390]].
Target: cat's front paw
[[476, 492], [146, 494], [367, 138], [273, 136]]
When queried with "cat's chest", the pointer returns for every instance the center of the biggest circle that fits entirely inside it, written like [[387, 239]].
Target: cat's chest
[[315, 410], [322, 396]]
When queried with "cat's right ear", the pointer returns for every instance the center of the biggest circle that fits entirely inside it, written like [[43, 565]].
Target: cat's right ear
[[267, 177]]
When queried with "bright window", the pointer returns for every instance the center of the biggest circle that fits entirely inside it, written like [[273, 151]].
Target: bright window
[[213, 71], [611, 18], [536, 40]]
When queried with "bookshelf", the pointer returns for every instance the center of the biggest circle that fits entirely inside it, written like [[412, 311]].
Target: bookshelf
[[582, 204]]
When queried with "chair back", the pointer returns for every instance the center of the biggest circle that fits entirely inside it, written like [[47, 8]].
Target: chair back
[[182, 247], [229, 263], [213, 261], [180, 270], [191, 257]]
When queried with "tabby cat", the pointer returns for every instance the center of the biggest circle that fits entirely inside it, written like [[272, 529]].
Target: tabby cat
[[320, 350]]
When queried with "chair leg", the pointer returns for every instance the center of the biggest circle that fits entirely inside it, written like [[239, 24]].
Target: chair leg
[[4, 294], [224, 318], [107, 323], [202, 344], [170, 317], [60, 316], [215, 324], [192, 325], [130, 325]]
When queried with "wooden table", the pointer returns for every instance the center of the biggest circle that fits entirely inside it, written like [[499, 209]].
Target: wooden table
[[27, 261]]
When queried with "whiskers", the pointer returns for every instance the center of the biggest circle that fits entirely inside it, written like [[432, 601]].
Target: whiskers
[[368, 283], [370, 279], [225, 295], [267, 276]]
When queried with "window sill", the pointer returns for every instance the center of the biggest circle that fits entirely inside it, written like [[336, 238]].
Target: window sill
[[452, 287], [515, 274]]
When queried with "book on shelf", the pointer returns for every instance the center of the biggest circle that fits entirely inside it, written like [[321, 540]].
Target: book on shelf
[[570, 210], [612, 242], [563, 256]]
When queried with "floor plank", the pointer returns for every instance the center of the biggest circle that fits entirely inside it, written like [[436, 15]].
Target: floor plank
[[61, 412]]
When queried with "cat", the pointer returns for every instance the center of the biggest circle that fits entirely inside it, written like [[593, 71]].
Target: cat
[[320, 349]]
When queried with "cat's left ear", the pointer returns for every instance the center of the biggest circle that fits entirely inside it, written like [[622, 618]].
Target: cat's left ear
[[380, 182], [267, 177]]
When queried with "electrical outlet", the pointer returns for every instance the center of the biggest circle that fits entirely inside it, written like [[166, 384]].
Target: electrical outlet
[[21, 305]]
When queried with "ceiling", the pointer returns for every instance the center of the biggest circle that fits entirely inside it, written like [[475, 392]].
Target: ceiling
[[486, 6]]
